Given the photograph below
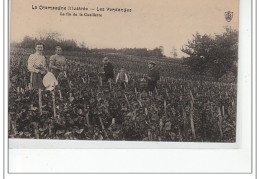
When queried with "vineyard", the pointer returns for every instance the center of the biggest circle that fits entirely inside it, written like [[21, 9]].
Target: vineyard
[[185, 107]]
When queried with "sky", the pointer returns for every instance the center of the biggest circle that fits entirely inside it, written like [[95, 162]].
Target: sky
[[150, 24]]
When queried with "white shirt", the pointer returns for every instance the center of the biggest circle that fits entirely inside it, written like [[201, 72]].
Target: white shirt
[[123, 80], [35, 62]]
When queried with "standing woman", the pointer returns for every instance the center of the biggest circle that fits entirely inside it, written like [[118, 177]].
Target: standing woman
[[58, 66], [37, 67], [58, 62]]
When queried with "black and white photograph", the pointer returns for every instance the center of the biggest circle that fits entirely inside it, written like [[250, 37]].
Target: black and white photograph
[[163, 71]]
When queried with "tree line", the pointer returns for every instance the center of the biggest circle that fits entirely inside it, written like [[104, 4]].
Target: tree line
[[215, 55], [211, 55], [140, 52], [52, 39], [49, 43]]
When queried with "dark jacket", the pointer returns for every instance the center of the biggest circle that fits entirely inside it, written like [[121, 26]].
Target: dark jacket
[[154, 75], [109, 70]]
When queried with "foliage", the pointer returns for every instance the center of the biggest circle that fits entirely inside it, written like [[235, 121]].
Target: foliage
[[50, 40], [89, 110], [140, 52], [213, 55], [53, 39]]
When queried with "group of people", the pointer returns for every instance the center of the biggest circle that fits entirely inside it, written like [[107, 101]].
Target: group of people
[[38, 68], [58, 63], [152, 77]]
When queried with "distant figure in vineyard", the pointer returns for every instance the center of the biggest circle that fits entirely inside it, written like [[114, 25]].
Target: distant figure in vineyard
[[37, 67], [108, 69], [122, 78], [153, 76], [58, 63]]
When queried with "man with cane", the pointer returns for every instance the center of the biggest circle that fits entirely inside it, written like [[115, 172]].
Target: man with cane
[[37, 67]]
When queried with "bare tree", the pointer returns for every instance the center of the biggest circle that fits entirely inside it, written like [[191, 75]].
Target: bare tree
[[53, 35]]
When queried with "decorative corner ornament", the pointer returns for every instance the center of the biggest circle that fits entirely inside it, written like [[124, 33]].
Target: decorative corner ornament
[[229, 16]]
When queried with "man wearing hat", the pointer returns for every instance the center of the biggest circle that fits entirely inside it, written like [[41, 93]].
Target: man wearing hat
[[108, 69], [153, 76]]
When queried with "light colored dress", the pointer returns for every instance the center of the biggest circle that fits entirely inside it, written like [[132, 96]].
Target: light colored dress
[[36, 63]]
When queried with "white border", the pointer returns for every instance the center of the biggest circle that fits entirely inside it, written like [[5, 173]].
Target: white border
[[83, 144], [156, 160]]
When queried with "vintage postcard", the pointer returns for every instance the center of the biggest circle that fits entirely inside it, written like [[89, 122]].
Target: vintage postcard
[[163, 71]]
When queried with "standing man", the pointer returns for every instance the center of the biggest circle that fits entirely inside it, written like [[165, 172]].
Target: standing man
[[152, 77], [108, 69], [58, 63], [37, 68]]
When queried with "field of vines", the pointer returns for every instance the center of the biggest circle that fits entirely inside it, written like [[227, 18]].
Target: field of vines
[[184, 108]]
